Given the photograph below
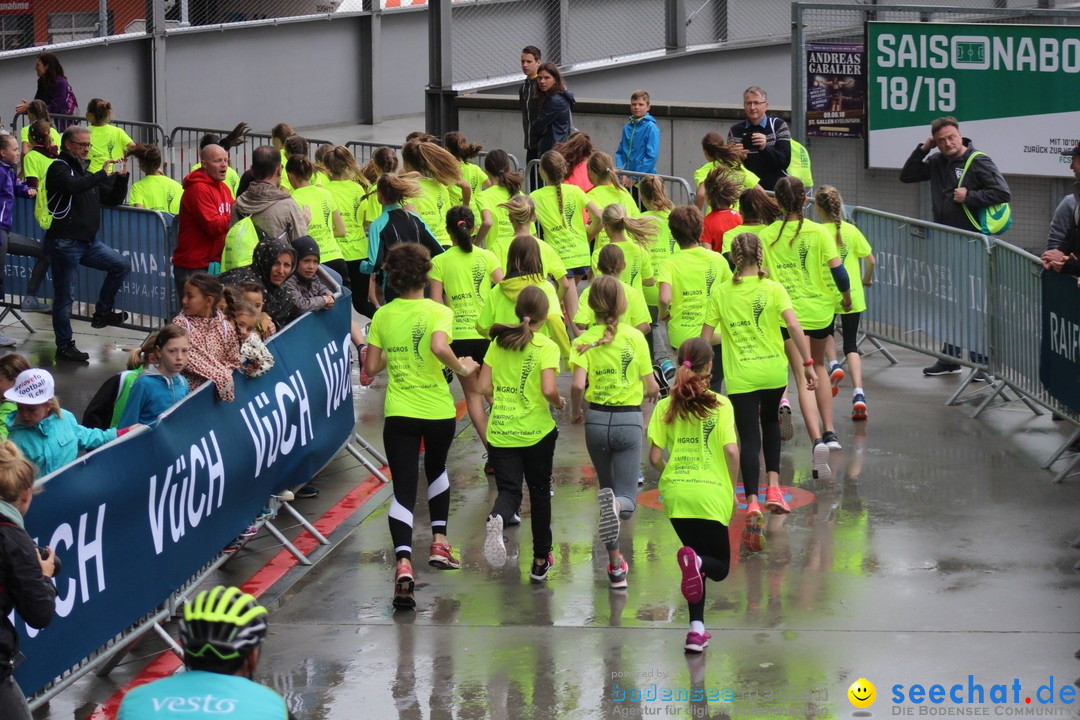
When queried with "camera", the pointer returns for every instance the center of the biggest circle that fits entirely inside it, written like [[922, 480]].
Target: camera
[[748, 140], [44, 553]]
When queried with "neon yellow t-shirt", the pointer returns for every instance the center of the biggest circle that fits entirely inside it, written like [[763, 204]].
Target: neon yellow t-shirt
[[499, 309], [107, 142], [157, 192], [604, 195], [474, 176], [749, 179], [232, 178], [501, 232], [734, 232], [855, 248], [24, 135], [284, 183], [240, 244], [520, 416], [320, 178], [417, 387], [661, 250], [432, 205], [639, 265], [35, 165], [748, 317], [321, 225], [637, 311], [466, 279], [696, 482], [693, 279], [615, 370], [348, 198], [564, 231], [801, 267]]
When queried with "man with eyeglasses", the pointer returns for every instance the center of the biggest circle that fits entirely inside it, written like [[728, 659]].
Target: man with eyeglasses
[[766, 141], [75, 200]]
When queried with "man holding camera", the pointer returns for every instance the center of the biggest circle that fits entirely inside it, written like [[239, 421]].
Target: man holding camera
[[766, 141]]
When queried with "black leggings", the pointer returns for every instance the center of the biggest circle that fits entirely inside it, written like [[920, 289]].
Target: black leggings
[[341, 269], [717, 368], [401, 439], [360, 282], [849, 327], [709, 539], [752, 408], [534, 463]]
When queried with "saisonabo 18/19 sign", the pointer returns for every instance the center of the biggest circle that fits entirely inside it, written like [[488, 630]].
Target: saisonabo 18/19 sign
[[1013, 88]]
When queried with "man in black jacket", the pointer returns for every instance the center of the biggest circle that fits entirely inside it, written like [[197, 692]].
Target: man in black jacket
[[529, 97], [75, 199], [766, 141]]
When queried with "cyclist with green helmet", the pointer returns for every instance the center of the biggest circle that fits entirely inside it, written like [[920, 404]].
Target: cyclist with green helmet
[[221, 631]]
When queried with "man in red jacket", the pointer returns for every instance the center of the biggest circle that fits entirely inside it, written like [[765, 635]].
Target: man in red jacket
[[205, 208]]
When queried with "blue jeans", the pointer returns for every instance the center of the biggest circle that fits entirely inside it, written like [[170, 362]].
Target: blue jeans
[[66, 256]]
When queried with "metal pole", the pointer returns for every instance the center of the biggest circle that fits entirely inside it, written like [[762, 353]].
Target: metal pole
[[155, 28], [103, 18], [440, 93], [798, 74], [675, 24]]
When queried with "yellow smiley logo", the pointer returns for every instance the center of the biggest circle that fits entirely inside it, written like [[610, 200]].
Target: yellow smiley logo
[[862, 693]]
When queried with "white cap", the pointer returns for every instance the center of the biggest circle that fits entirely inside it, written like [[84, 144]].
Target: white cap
[[32, 387]]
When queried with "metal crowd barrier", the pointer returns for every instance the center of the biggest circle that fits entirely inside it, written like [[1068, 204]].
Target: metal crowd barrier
[[184, 150], [678, 189], [141, 236]]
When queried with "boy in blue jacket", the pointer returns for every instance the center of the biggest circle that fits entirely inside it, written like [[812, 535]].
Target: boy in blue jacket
[[9, 188], [640, 143]]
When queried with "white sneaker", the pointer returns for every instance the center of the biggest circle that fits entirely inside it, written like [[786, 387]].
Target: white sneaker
[[822, 471], [608, 524], [515, 519], [494, 545]]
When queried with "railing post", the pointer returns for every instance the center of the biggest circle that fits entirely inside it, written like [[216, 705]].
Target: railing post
[[155, 29], [675, 24], [440, 116], [798, 74]]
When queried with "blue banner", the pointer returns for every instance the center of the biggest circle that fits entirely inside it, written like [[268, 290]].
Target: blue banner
[[1059, 357], [136, 519]]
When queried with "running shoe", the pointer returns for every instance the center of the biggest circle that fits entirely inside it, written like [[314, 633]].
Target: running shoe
[[307, 491], [494, 543], [941, 367], [33, 304], [404, 584], [836, 376], [441, 556], [617, 575], [6, 341], [693, 586], [858, 407], [641, 478], [608, 524], [541, 568], [822, 471], [515, 519], [251, 532], [774, 500], [787, 428], [696, 642], [233, 546], [753, 535], [830, 439]]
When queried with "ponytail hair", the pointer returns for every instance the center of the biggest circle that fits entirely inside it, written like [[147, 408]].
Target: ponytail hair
[[757, 207], [554, 169], [521, 209], [831, 204], [431, 160], [456, 144], [235, 304], [38, 110], [297, 145], [653, 195], [300, 166], [99, 111], [532, 305], [497, 166], [341, 165], [148, 155], [602, 169], [718, 149], [394, 188], [722, 188], [746, 250], [641, 230], [460, 223], [790, 196], [611, 260], [40, 132], [321, 153], [690, 396], [382, 162], [576, 149], [607, 300], [282, 132]]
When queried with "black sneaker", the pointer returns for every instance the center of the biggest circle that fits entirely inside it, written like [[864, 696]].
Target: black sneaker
[[540, 568], [71, 353], [308, 491], [109, 317], [941, 368]]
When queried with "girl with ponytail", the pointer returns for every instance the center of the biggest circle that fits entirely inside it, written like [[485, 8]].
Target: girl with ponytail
[[521, 210], [852, 246], [439, 171], [750, 313], [561, 209], [519, 372], [634, 235], [464, 151], [461, 278], [156, 191], [347, 187], [326, 225], [719, 153], [613, 371], [607, 190], [797, 253], [696, 428], [496, 230], [611, 263]]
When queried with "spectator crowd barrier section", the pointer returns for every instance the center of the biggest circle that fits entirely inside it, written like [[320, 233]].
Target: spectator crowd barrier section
[[140, 520], [678, 189]]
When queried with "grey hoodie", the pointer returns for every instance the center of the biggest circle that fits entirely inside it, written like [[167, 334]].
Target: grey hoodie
[[272, 210]]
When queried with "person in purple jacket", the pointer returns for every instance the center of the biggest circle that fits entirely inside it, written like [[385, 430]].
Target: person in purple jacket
[[53, 87], [9, 188]]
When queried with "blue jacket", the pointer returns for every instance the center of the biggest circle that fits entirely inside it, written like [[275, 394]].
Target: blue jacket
[[554, 123], [151, 395], [9, 188], [640, 145], [55, 441]]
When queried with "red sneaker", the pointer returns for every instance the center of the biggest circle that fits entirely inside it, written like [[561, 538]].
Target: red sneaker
[[753, 535], [441, 556], [774, 500], [404, 583]]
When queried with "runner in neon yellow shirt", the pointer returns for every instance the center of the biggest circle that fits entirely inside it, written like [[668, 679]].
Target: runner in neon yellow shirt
[[719, 152], [496, 231], [326, 224], [634, 235], [613, 371], [748, 313], [522, 213], [758, 211], [439, 171], [107, 142], [155, 191], [561, 208], [612, 262], [464, 151], [411, 336], [853, 247], [607, 190], [696, 427], [519, 372], [461, 278], [37, 110], [799, 254], [348, 188]]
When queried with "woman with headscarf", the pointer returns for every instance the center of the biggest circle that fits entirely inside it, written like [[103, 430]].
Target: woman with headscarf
[[272, 263]]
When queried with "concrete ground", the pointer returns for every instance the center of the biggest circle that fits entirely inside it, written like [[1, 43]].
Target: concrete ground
[[939, 551]]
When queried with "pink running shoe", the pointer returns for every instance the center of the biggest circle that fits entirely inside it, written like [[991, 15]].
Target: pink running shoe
[[696, 642], [693, 587]]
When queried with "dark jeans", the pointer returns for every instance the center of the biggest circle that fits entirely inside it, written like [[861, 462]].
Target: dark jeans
[[751, 409], [66, 256], [717, 381], [957, 352], [28, 247], [532, 462], [401, 438], [709, 539]]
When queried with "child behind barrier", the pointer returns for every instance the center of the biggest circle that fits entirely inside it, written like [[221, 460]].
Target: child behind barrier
[[313, 292], [215, 350], [10, 366], [254, 293], [161, 385], [48, 436], [255, 358]]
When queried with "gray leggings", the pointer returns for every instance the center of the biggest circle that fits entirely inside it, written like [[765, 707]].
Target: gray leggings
[[614, 443]]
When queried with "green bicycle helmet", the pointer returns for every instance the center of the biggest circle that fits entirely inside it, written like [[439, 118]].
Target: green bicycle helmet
[[220, 627]]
